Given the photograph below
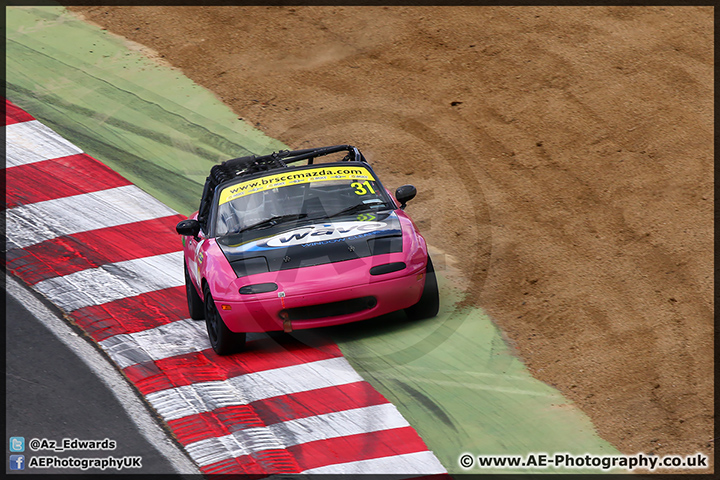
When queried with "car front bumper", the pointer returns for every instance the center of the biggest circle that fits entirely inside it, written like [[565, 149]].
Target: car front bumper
[[294, 306]]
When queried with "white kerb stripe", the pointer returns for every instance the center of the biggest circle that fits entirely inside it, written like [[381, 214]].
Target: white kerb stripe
[[179, 402], [37, 222], [217, 449], [296, 432], [30, 142], [175, 338], [114, 281], [418, 463], [338, 424]]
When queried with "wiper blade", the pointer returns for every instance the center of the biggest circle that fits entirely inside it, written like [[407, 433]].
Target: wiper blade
[[272, 221]]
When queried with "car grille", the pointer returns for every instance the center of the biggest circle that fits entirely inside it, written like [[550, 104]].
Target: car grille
[[334, 309]]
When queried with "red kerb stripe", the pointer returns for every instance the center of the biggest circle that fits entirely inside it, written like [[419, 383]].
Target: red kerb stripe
[[58, 178], [317, 402], [15, 114], [227, 420], [353, 448], [72, 253], [206, 366], [245, 465], [132, 314]]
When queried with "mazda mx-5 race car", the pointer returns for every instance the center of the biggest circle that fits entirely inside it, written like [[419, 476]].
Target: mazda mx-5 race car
[[277, 245]]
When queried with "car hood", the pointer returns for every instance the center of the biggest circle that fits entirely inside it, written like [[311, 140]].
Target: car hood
[[304, 244]]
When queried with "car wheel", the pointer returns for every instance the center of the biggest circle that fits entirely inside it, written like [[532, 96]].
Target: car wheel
[[429, 303], [195, 303], [222, 339]]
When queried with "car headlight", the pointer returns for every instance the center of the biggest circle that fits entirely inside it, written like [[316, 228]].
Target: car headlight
[[379, 246], [249, 266], [387, 268], [258, 288]]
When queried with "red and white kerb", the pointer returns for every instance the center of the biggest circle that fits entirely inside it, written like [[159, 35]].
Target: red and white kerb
[[107, 254]]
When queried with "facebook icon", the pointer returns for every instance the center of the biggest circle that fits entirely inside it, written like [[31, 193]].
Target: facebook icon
[[17, 462]]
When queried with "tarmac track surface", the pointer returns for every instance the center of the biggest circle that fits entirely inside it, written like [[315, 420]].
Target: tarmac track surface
[[589, 131], [52, 393]]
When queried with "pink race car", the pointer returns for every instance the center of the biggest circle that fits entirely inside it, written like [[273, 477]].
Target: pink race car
[[276, 246]]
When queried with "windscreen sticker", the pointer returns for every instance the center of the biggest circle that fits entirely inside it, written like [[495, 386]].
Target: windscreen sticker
[[292, 178], [363, 217], [324, 233]]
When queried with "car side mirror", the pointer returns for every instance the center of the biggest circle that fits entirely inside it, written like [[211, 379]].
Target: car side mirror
[[404, 194], [188, 228]]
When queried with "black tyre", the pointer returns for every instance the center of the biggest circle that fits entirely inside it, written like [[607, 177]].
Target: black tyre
[[223, 340], [195, 303], [429, 303]]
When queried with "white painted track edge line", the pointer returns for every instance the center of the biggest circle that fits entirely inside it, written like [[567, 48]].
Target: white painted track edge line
[[135, 408]]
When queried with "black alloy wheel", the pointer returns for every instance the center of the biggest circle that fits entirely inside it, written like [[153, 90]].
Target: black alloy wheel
[[195, 303], [429, 303], [222, 339]]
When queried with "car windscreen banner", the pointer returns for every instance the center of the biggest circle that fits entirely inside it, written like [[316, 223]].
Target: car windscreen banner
[[269, 182]]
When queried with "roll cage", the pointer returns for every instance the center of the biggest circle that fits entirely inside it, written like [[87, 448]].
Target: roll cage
[[258, 165]]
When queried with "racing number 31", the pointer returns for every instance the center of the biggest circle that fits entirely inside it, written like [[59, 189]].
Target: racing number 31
[[360, 187]]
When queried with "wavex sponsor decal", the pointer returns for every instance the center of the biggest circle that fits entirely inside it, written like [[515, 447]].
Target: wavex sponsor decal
[[320, 233]]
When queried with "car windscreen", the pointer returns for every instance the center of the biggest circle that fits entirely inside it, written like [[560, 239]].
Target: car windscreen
[[306, 194]]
